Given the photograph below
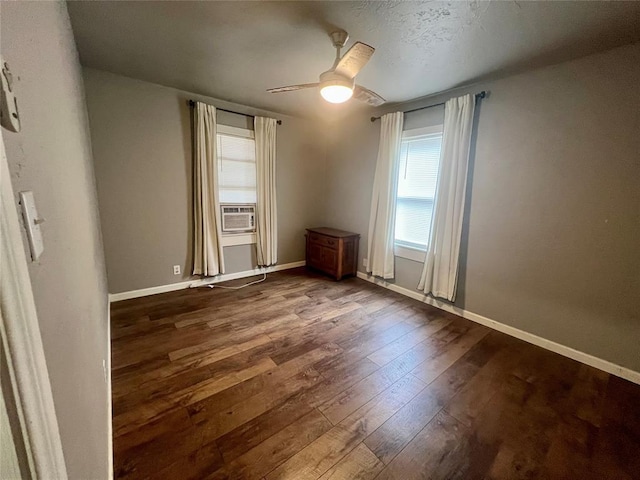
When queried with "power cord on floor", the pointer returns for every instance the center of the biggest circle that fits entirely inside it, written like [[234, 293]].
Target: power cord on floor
[[264, 277]]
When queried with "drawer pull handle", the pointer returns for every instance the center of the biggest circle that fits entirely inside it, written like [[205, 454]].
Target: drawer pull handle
[[330, 242]]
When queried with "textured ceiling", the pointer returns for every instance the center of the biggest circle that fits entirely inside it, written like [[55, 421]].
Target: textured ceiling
[[236, 50]]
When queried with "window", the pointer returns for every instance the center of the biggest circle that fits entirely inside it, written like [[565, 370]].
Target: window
[[417, 179], [236, 174], [236, 165]]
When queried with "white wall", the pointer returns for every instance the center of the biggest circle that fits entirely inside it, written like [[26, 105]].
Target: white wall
[[552, 225], [52, 157]]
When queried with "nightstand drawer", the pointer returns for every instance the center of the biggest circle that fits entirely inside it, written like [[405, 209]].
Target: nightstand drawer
[[323, 240]]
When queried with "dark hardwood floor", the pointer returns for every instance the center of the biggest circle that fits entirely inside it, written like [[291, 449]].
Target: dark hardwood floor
[[301, 377]]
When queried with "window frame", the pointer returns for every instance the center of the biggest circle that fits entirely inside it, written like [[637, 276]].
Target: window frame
[[230, 239], [402, 250]]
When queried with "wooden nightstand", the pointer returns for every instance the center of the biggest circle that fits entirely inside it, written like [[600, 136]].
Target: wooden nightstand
[[332, 251]]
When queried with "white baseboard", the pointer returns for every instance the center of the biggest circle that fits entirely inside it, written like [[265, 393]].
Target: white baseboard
[[569, 352], [143, 292]]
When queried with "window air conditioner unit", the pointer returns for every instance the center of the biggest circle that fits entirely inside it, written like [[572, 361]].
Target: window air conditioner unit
[[238, 218]]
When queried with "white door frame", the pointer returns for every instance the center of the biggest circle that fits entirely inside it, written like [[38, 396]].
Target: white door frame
[[22, 344]]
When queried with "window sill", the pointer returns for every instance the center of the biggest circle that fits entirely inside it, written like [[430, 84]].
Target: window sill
[[409, 253], [233, 239]]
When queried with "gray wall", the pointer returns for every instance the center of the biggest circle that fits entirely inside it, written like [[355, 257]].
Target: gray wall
[[141, 137], [52, 157], [552, 215], [552, 224]]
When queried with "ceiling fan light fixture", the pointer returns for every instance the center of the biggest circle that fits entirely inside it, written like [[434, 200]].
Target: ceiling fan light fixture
[[336, 93], [337, 85], [335, 88]]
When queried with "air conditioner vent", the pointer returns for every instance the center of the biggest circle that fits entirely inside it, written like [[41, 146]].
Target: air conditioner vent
[[238, 218]]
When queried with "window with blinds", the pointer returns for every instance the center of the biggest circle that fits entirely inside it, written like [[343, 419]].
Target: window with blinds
[[237, 167], [417, 180]]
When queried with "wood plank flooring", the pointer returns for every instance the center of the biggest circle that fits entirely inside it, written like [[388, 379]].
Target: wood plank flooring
[[301, 377]]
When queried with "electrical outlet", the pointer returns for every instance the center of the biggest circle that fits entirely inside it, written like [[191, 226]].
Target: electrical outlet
[[176, 269], [365, 262]]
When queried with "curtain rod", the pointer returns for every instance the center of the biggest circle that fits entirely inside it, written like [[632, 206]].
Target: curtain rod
[[192, 103], [482, 94]]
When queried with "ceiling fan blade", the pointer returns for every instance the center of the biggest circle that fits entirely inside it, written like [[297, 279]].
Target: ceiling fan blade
[[367, 96], [354, 60], [291, 88]]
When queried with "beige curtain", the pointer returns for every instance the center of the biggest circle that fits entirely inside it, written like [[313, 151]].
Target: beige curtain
[[383, 199], [266, 208], [440, 271], [208, 258]]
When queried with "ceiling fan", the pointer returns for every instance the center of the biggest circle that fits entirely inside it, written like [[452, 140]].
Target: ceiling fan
[[337, 84]]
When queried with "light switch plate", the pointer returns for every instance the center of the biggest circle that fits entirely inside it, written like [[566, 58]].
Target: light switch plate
[[32, 223]]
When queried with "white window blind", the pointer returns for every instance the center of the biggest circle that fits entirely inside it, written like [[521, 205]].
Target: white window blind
[[237, 169], [417, 180]]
